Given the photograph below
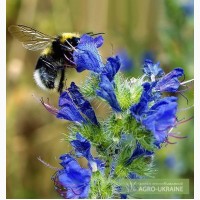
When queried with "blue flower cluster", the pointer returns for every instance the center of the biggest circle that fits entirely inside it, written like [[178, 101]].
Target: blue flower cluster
[[160, 117], [73, 181], [152, 115], [87, 57]]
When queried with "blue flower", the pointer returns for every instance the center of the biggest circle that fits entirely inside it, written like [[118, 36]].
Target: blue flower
[[111, 68], [98, 41], [68, 110], [86, 55], [170, 82], [161, 117], [83, 105], [170, 161], [127, 63], [106, 84], [72, 107], [139, 109], [72, 181], [106, 91], [81, 146], [82, 149], [151, 69], [188, 7], [138, 151]]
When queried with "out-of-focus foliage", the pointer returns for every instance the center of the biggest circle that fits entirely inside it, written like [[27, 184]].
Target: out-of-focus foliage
[[163, 28]]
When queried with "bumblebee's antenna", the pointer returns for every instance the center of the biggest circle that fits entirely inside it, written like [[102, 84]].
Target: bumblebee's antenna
[[97, 34], [89, 33], [93, 34]]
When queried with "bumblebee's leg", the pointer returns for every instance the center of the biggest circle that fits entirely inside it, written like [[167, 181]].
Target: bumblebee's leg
[[61, 84]]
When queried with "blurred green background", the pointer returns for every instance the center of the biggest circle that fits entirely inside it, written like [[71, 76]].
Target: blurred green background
[[158, 29]]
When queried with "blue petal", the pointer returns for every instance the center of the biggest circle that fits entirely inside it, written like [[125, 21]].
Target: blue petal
[[74, 181], [83, 105], [170, 82], [98, 41], [139, 109], [64, 99], [66, 159], [152, 69], [106, 91], [161, 117], [87, 56], [164, 101], [96, 164], [111, 68], [81, 146], [127, 64], [68, 110]]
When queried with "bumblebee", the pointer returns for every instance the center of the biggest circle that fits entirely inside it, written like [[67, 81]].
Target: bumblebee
[[56, 56]]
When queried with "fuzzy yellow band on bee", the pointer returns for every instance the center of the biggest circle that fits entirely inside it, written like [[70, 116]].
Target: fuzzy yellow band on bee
[[65, 36], [47, 51]]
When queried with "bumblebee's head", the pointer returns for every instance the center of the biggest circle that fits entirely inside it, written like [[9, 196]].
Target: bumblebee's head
[[69, 40]]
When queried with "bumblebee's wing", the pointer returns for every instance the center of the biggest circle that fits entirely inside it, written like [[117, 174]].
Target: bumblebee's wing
[[30, 38]]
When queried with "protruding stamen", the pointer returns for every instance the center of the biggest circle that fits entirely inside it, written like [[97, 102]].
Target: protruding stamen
[[184, 109], [69, 60], [186, 82], [175, 136], [50, 108], [181, 122], [184, 97], [168, 142]]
